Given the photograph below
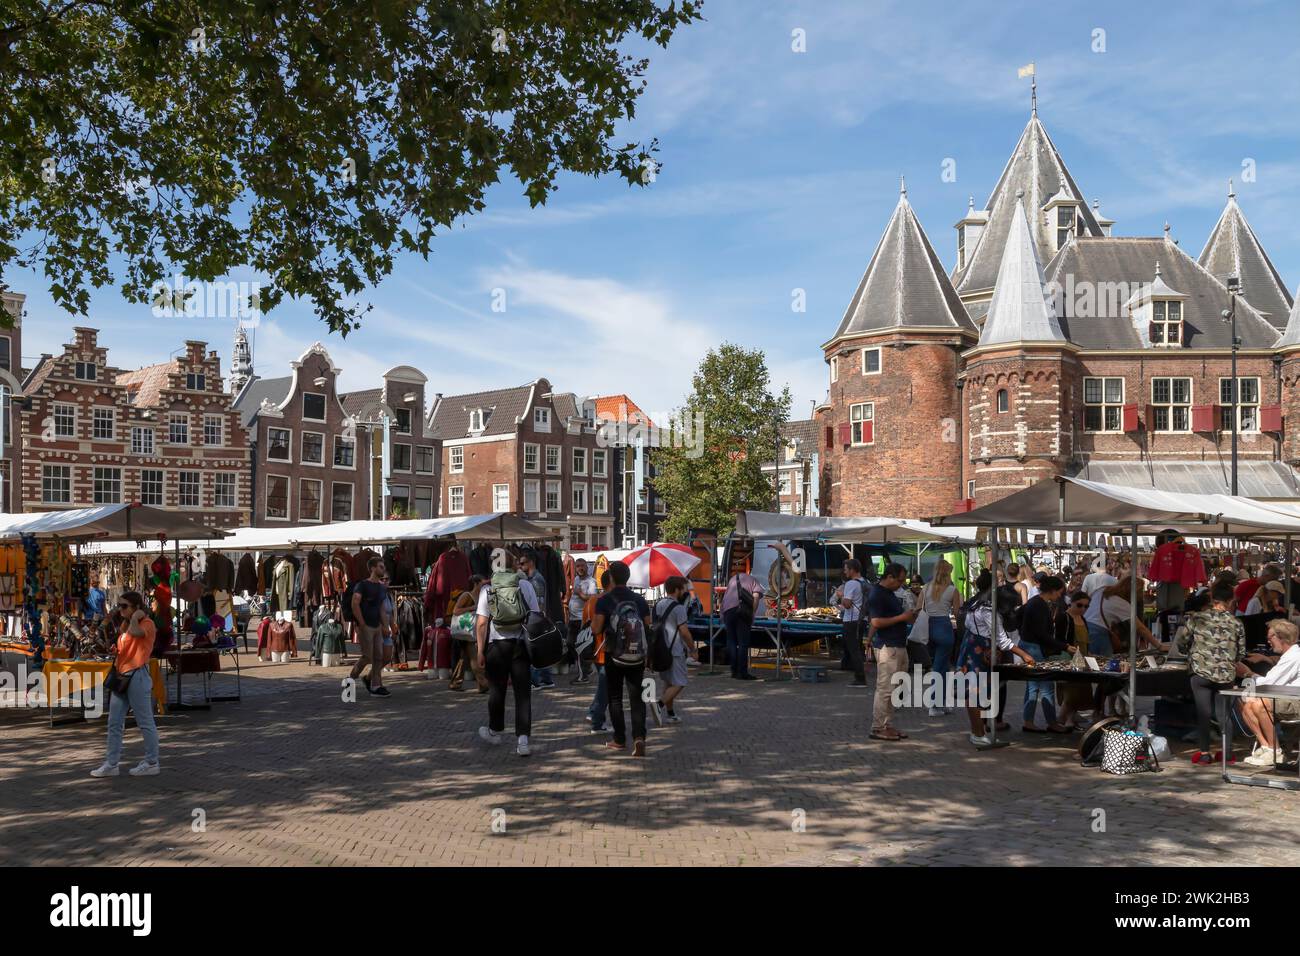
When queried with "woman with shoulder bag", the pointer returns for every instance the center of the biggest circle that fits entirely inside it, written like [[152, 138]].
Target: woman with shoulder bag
[[464, 650], [130, 687]]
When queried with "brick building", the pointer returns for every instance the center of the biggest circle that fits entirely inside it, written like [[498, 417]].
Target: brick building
[[164, 435], [404, 453], [1056, 348], [796, 470], [625, 431], [11, 378], [530, 451], [309, 458]]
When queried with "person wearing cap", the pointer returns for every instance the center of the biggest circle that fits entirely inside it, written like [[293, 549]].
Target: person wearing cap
[[1269, 596]]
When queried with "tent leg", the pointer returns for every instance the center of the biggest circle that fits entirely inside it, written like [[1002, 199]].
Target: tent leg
[[1286, 559], [994, 679], [1132, 625]]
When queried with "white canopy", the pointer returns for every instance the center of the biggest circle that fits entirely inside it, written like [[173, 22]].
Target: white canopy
[[766, 525], [1080, 504], [492, 527], [122, 522]]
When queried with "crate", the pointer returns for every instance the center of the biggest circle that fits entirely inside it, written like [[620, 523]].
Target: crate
[[813, 673]]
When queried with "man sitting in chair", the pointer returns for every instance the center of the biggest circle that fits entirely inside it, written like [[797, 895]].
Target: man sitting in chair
[[1260, 713]]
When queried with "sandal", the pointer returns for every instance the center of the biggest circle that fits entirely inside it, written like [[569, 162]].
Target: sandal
[[894, 736]]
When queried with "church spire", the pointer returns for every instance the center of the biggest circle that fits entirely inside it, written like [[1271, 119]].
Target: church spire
[[1020, 311], [1234, 249], [241, 361]]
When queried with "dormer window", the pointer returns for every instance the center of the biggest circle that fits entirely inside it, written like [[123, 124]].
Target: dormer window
[[541, 419], [195, 382], [1062, 212], [477, 420], [1166, 322], [1065, 225], [85, 371]]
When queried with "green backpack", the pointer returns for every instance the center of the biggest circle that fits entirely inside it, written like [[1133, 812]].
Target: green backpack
[[505, 602]]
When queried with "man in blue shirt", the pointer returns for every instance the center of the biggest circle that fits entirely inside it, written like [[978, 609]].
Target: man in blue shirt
[[889, 622], [95, 599]]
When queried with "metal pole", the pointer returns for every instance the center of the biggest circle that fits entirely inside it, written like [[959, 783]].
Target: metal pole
[[993, 640], [1236, 398], [1286, 558], [1133, 625]]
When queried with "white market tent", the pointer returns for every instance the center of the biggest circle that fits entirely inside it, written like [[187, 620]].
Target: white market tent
[[770, 526], [1075, 503], [496, 527], [124, 523]]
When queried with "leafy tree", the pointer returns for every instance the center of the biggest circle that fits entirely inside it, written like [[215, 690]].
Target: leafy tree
[[311, 140], [740, 420]]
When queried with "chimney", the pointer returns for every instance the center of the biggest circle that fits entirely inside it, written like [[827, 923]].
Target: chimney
[[195, 350], [86, 339]]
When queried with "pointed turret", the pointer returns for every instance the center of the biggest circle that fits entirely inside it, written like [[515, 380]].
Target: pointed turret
[[1020, 312], [1291, 334], [1036, 171], [1233, 249], [905, 285]]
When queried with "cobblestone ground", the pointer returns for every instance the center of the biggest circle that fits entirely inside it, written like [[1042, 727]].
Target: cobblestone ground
[[291, 775]]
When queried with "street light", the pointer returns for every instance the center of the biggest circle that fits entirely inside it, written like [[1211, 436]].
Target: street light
[[1230, 314]]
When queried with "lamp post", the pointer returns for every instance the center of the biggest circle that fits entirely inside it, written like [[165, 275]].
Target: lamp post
[[1230, 314]]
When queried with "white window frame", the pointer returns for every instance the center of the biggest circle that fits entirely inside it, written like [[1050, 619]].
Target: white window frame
[[600, 463], [452, 508], [1171, 405], [137, 447], [835, 368], [1167, 322], [542, 419], [179, 420], [533, 493], [180, 487], [64, 482], [500, 494], [601, 506], [880, 360], [288, 497], [453, 453], [855, 426], [555, 488], [95, 419], [536, 450], [104, 474], [221, 479], [288, 445], [1104, 404], [577, 507], [578, 454], [477, 420], [160, 484], [68, 409], [324, 405], [320, 500], [1226, 406], [343, 441], [302, 451], [334, 486], [1002, 401], [559, 460], [219, 421]]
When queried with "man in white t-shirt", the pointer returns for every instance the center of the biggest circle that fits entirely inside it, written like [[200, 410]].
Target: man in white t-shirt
[[584, 587], [851, 599], [503, 656]]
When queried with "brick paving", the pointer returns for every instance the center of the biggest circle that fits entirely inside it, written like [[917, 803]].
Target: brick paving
[[292, 775]]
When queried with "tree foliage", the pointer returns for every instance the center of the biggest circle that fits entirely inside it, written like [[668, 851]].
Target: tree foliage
[[740, 417], [310, 140]]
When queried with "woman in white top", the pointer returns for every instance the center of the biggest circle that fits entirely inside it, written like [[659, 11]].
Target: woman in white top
[[938, 599], [1259, 713]]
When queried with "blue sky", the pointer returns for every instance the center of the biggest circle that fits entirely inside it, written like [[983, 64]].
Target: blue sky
[[780, 170]]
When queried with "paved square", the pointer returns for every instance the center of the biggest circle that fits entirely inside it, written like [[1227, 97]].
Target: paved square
[[291, 775]]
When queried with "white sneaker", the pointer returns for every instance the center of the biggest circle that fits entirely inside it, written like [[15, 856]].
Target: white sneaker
[[105, 770], [145, 769], [522, 749], [490, 735], [936, 712], [1262, 757], [984, 741], [657, 714]]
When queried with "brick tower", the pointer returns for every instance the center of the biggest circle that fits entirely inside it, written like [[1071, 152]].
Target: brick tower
[[1018, 379], [1288, 347], [892, 421]]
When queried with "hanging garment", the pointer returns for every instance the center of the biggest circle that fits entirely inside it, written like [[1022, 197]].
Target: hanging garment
[[360, 567], [480, 561], [282, 586], [313, 584], [219, 572], [1179, 563], [338, 572], [450, 573], [224, 605], [246, 576], [264, 634]]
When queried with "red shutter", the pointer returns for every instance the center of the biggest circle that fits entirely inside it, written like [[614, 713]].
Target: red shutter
[[1205, 418], [846, 434], [1270, 418], [830, 436], [961, 507], [868, 432], [1130, 418]]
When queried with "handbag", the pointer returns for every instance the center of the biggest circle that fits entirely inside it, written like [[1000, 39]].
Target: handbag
[[921, 626], [544, 641], [1126, 751], [115, 682]]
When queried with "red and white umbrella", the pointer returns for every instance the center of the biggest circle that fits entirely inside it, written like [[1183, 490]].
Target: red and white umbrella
[[654, 564]]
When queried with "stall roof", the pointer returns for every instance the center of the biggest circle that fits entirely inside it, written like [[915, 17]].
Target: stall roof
[[122, 522], [865, 530], [1080, 504], [506, 527]]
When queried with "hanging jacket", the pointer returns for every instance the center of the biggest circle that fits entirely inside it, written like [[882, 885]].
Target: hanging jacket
[[282, 586], [246, 576], [219, 572], [313, 583], [451, 573]]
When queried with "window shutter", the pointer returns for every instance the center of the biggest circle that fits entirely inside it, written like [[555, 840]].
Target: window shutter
[[1205, 418], [1130, 422], [846, 434], [1270, 418], [868, 432]]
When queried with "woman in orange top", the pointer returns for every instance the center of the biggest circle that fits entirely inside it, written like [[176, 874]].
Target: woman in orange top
[[136, 693]]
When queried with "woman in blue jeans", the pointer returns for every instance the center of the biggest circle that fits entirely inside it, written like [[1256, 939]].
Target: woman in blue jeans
[[939, 597], [135, 691], [1044, 635]]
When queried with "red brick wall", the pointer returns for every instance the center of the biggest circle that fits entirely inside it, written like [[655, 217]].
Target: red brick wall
[[1291, 407]]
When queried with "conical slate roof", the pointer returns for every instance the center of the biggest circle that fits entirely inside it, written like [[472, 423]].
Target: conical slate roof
[[1291, 336], [1037, 171], [1019, 311], [1233, 249], [905, 285]]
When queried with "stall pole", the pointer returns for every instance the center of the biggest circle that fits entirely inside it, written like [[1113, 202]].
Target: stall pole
[[1133, 625], [993, 641], [176, 630], [1286, 560]]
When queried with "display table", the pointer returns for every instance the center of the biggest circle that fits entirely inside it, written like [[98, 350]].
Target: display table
[[1262, 778], [92, 674], [1170, 680], [205, 661]]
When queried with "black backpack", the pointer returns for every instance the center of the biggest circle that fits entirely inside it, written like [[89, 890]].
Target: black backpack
[[625, 637], [661, 647], [1010, 609], [345, 606]]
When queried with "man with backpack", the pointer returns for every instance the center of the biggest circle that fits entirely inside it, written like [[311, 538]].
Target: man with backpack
[[739, 608], [673, 643], [503, 607], [623, 618], [366, 600]]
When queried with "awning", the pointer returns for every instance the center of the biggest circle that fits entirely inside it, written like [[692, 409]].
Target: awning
[[122, 522], [1075, 503], [1255, 479], [486, 527], [770, 526]]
